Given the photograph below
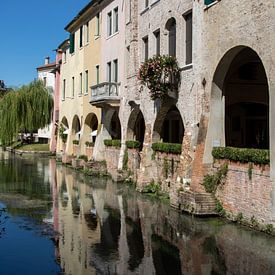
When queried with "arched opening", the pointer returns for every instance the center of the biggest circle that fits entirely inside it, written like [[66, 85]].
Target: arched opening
[[115, 127], [239, 105], [64, 129], [76, 128], [90, 127], [246, 102], [172, 36], [136, 127], [169, 125]]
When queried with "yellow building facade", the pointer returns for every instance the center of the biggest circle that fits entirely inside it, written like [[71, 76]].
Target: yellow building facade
[[79, 120]]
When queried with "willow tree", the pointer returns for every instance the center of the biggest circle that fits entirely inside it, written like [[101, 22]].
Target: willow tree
[[25, 110]]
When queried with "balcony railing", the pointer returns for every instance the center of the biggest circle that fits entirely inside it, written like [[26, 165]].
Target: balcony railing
[[105, 92]]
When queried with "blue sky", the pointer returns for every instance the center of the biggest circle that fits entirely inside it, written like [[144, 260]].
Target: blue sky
[[29, 31]]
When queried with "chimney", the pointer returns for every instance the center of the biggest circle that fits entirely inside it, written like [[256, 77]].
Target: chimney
[[47, 60]]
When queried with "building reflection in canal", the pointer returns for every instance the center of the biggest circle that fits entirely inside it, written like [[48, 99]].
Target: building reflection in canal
[[108, 228]]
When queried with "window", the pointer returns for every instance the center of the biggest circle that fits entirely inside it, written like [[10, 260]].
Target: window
[[157, 41], [45, 81], [116, 20], [109, 72], [109, 22], [80, 83], [81, 37], [86, 81], [146, 3], [208, 2], [97, 74], [64, 89], [172, 37], [188, 38], [145, 47], [72, 41], [65, 56], [72, 86], [87, 32], [97, 31], [115, 66]]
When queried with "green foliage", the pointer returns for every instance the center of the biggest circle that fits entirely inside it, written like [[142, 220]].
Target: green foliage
[[165, 167], [131, 144], [211, 182], [76, 142], [125, 160], [257, 156], [61, 134], [89, 144], [160, 74], [269, 229], [84, 157], [152, 187], [112, 142], [173, 148], [249, 171], [219, 208], [254, 223], [25, 110], [239, 218]]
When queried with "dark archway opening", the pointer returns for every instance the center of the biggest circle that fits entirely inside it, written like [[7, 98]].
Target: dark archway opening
[[172, 128], [246, 102], [115, 127]]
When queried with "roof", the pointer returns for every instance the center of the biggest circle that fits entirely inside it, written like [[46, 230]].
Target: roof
[[47, 66], [85, 9], [64, 44]]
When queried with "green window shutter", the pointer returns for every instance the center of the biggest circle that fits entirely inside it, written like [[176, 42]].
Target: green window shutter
[[208, 2], [72, 43]]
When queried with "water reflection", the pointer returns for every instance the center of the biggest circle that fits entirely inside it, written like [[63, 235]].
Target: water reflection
[[107, 228]]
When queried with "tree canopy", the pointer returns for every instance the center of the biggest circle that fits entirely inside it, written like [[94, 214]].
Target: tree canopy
[[25, 110]]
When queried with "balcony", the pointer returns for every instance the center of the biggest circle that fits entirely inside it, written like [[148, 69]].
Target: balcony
[[105, 94]]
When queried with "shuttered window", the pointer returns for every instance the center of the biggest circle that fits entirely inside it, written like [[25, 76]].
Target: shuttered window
[[72, 40], [208, 2]]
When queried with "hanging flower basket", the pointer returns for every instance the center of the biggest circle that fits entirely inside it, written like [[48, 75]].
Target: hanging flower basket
[[161, 75]]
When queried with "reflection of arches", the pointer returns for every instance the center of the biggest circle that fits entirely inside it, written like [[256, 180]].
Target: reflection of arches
[[172, 36], [168, 126], [239, 83], [90, 127], [136, 126], [76, 127]]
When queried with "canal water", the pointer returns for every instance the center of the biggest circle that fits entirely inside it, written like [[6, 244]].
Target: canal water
[[54, 220]]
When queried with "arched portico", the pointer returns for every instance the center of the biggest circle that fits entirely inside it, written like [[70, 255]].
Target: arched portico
[[136, 126], [168, 125], [90, 128], [239, 104]]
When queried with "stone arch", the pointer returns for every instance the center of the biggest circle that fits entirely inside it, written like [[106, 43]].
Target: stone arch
[[168, 125], [171, 27], [239, 104], [136, 126], [112, 123], [64, 122], [76, 128], [90, 127]]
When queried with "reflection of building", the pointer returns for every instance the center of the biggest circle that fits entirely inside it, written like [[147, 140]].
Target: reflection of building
[[47, 75], [127, 234]]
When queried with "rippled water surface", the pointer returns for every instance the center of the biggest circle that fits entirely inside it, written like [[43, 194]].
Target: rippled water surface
[[57, 221]]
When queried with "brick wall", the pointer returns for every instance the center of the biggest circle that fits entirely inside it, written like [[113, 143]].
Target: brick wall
[[251, 197]]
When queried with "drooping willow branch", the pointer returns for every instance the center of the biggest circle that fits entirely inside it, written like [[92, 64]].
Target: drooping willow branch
[[25, 110]]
